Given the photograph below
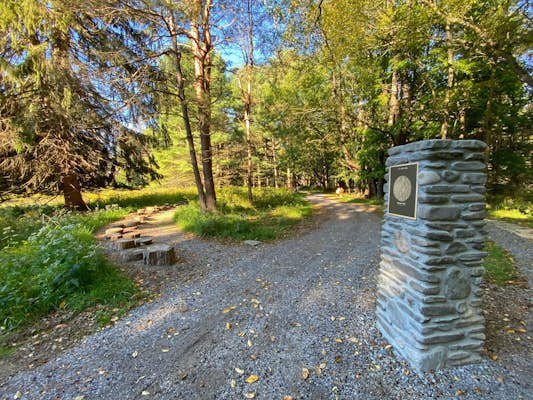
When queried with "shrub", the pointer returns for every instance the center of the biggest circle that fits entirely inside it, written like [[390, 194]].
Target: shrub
[[60, 259]]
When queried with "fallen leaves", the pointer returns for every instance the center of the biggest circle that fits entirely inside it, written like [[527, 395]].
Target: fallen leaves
[[239, 371], [165, 350], [229, 309], [228, 326], [135, 354], [252, 379], [145, 393], [249, 395], [305, 373], [171, 331]]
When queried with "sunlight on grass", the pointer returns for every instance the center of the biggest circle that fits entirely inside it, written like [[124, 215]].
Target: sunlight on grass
[[272, 216], [356, 199], [516, 207], [138, 198]]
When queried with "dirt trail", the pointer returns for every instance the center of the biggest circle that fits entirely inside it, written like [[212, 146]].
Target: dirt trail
[[266, 312]]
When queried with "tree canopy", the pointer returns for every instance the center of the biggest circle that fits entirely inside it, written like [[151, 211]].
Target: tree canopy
[[322, 90]]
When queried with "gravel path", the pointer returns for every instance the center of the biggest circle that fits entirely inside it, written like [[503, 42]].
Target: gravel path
[[268, 311]]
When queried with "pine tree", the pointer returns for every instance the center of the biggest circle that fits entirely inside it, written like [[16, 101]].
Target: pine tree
[[65, 98]]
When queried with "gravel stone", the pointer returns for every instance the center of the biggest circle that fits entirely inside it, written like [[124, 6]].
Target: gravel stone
[[308, 301]]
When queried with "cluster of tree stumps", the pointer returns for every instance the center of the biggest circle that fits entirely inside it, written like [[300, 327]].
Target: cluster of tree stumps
[[125, 237]]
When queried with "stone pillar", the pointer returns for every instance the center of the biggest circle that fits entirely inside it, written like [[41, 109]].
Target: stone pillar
[[428, 304]]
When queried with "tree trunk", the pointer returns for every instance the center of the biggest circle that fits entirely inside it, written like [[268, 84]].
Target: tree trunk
[[248, 129], [201, 51], [394, 103], [446, 112], [246, 91], [72, 192], [275, 162], [186, 119], [343, 125]]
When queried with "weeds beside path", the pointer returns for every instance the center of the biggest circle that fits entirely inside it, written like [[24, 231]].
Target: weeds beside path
[[250, 319]]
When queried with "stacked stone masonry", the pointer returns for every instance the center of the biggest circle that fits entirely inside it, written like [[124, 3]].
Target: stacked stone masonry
[[429, 305]]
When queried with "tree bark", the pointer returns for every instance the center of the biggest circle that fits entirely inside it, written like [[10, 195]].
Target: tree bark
[[446, 112], [186, 119], [201, 50], [246, 91], [343, 124], [72, 192], [394, 103], [248, 128], [275, 162]]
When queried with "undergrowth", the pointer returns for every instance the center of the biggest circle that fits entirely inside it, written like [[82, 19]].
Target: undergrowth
[[50, 260], [516, 207], [273, 213]]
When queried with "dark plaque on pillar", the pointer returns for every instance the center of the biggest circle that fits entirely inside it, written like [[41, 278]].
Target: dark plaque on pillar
[[404, 188]]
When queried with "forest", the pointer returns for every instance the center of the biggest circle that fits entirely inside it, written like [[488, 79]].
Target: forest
[[219, 130], [280, 93]]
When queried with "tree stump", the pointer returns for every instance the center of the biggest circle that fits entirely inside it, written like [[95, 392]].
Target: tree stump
[[143, 241], [132, 255], [131, 235], [159, 254], [130, 229], [123, 244], [131, 223], [112, 231], [114, 236]]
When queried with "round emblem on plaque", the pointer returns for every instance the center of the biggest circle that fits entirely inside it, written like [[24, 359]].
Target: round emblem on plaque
[[402, 188]]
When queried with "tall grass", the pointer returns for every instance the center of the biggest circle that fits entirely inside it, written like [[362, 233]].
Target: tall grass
[[138, 198], [273, 213]]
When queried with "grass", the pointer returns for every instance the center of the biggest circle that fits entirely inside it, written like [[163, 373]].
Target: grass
[[57, 266], [102, 198], [348, 198], [272, 215], [514, 207], [50, 261], [357, 199], [138, 198], [500, 267]]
